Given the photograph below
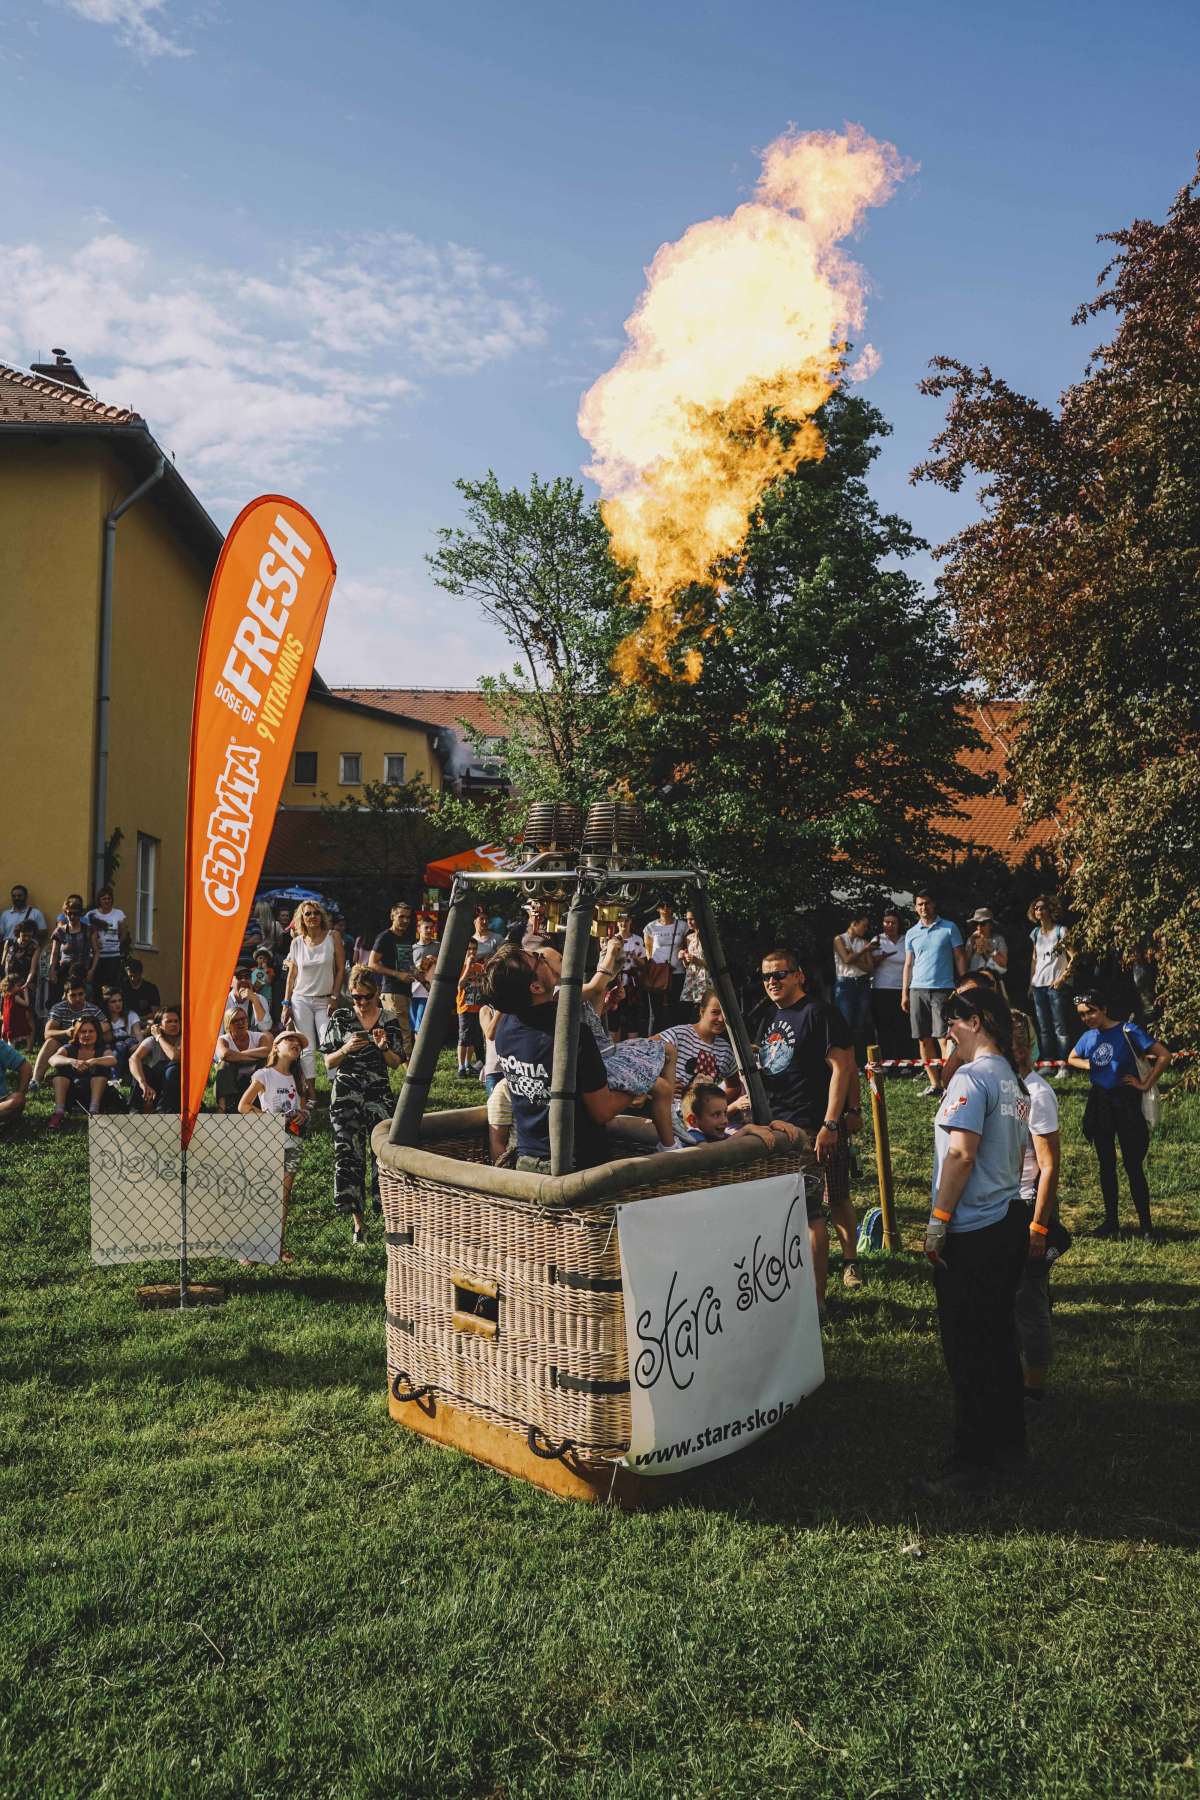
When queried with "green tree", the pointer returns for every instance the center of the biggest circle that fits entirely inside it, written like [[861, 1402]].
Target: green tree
[[821, 738], [538, 565], [1078, 591]]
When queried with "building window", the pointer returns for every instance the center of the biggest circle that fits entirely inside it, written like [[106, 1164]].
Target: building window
[[147, 886], [350, 768], [305, 772], [393, 770]]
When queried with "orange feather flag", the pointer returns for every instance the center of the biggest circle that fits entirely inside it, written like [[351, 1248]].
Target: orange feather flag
[[266, 610]]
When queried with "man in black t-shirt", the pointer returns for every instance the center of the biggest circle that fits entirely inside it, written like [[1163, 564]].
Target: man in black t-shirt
[[391, 960], [140, 996], [521, 984], [807, 1060]]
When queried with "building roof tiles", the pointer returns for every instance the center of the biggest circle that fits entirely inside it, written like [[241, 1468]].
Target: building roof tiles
[[39, 400]]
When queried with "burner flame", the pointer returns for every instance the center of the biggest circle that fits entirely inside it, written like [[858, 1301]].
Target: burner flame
[[743, 315]]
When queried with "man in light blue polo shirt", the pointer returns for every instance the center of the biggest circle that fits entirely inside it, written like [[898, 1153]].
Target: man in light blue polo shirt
[[934, 960]]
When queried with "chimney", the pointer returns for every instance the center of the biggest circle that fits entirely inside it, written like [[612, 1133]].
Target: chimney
[[61, 369]]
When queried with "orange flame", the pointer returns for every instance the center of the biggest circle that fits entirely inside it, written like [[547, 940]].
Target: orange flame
[[742, 315]]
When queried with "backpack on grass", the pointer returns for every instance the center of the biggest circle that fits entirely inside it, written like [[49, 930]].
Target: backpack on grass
[[870, 1232]]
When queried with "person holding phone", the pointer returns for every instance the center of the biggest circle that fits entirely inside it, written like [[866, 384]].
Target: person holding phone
[[362, 1044]]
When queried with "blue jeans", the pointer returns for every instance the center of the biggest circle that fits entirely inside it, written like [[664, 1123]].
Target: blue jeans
[[1057, 1023], [416, 1012], [853, 1000]]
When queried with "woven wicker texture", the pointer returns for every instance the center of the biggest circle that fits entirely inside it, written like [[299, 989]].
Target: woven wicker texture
[[558, 1311]]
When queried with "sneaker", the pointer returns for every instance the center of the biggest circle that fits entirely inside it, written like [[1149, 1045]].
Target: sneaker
[[1106, 1231], [932, 1093], [957, 1484], [1061, 1074], [1148, 1235], [359, 1235], [57, 1119], [850, 1276]]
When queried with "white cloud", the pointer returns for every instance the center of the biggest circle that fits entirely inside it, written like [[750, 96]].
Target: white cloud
[[384, 629], [134, 23], [250, 376]]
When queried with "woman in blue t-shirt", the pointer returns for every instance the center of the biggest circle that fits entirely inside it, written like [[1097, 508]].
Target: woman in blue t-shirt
[[977, 1240], [1113, 1114]]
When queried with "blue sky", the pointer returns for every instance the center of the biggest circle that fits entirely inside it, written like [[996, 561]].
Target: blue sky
[[356, 251]]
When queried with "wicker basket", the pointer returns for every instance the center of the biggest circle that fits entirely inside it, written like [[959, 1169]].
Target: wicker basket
[[509, 1308]]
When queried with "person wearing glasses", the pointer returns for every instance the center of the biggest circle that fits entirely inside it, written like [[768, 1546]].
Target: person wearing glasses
[[807, 1060], [977, 1240], [1109, 1051], [362, 1044]]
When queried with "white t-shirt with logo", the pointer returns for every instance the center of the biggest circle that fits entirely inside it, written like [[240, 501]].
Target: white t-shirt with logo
[[1043, 1119], [278, 1092], [890, 972], [666, 941], [1049, 958], [108, 924]]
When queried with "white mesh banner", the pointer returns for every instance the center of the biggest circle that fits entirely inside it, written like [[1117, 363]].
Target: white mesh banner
[[234, 1187]]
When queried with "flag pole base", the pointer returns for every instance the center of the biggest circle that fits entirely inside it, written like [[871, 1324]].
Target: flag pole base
[[160, 1294]]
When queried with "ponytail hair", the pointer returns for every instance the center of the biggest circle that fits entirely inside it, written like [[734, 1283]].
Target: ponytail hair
[[993, 1012]]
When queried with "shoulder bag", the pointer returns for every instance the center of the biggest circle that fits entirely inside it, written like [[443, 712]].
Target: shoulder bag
[[1151, 1103]]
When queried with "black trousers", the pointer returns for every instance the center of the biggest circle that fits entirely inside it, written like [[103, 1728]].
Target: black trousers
[[665, 1004], [1112, 1117], [891, 1024], [976, 1294]]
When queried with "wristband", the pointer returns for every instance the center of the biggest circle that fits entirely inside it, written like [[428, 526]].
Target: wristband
[[945, 1217], [1042, 1230]]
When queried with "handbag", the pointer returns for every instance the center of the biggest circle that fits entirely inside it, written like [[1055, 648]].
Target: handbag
[[1151, 1104], [656, 976]]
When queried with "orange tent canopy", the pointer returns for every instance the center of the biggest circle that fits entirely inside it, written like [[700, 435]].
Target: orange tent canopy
[[484, 856]]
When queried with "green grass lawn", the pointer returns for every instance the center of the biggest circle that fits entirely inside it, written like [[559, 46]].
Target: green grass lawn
[[223, 1571]]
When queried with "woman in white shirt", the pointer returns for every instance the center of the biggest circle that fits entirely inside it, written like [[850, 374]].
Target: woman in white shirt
[[1052, 1008], [664, 938], [110, 940], [315, 966], [277, 1088]]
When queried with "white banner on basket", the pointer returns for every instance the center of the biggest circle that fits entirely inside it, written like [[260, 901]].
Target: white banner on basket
[[720, 1316], [234, 1186]]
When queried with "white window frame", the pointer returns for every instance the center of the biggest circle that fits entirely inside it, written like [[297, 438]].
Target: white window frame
[[146, 902], [400, 756], [345, 780]]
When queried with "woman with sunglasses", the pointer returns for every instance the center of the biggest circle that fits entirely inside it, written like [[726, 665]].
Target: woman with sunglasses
[[977, 1240], [362, 1044], [1109, 1051]]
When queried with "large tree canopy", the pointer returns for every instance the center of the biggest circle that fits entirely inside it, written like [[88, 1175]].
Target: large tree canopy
[[1078, 591], [821, 737]]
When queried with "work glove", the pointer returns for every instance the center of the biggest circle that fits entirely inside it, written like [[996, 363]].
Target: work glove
[[935, 1241]]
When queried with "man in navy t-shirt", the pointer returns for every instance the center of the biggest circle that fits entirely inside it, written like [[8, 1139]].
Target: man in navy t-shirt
[[521, 985]]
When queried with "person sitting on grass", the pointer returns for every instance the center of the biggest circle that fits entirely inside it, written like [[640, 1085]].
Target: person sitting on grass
[[243, 993], [240, 1051], [20, 965], [154, 1065], [467, 1004], [263, 977], [81, 1071], [705, 1111], [18, 1070], [122, 1028], [64, 1016], [277, 1087]]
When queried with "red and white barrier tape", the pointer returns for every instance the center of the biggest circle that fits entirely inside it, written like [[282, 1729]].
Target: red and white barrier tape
[[912, 1062]]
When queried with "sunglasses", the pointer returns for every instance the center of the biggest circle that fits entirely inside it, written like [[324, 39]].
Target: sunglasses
[[362, 999], [778, 975]]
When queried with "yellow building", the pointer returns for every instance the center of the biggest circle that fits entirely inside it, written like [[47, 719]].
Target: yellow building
[[105, 561]]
